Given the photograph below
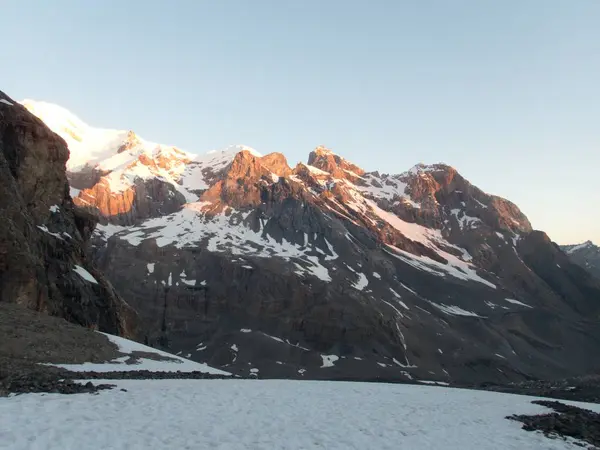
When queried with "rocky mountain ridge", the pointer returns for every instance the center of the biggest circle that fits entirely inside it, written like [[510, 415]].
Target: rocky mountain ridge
[[43, 238], [587, 255], [324, 270]]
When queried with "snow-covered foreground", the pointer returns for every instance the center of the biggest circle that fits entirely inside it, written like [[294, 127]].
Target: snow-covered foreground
[[270, 414], [162, 362]]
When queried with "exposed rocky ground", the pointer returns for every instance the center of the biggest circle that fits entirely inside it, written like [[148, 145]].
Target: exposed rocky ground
[[31, 338], [20, 378], [36, 338], [566, 422], [581, 389], [30, 341], [28, 382]]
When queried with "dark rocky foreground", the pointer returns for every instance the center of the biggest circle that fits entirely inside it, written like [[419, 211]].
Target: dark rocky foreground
[[38, 382], [29, 337], [22, 376], [30, 340], [580, 389], [23, 379], [565, 422]]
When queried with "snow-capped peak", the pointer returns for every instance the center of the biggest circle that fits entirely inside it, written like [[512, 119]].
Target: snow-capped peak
[[578, 247], [55, 116], [236, 148], [124, 156], [321, 149], [87, 145], [426, 168]]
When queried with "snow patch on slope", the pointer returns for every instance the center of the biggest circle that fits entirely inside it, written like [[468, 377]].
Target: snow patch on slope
[[222, 234], [517, 302], [329, 360], [465, 221], [316, 171], [458, 269], [361, 283], [45, 229], [454, 310], [388, 188], [172, 364], [84, 274]]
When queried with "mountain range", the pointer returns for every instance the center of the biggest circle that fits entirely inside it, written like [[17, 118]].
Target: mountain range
[[321, 270]]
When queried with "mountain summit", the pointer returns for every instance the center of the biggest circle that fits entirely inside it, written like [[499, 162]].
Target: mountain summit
[[325, 270]]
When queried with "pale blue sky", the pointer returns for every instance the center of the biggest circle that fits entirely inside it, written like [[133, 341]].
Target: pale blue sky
[[508, 92]]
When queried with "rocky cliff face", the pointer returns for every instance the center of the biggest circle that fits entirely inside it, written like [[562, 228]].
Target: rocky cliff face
[[586, 255], [43, 262], [326, 270]]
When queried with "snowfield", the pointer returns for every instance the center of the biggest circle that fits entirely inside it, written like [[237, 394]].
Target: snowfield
[[270, 414]]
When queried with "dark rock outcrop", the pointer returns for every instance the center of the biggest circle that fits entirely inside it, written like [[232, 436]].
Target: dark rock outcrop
[[565, 422], [578, 389], [43, 262], [276, 163], [324, 159], [37, 382], [143, 200]]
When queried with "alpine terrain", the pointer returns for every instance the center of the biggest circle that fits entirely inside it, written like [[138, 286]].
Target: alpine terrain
[[249, 268], [320, 270], [43, 260], [587, 255]]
